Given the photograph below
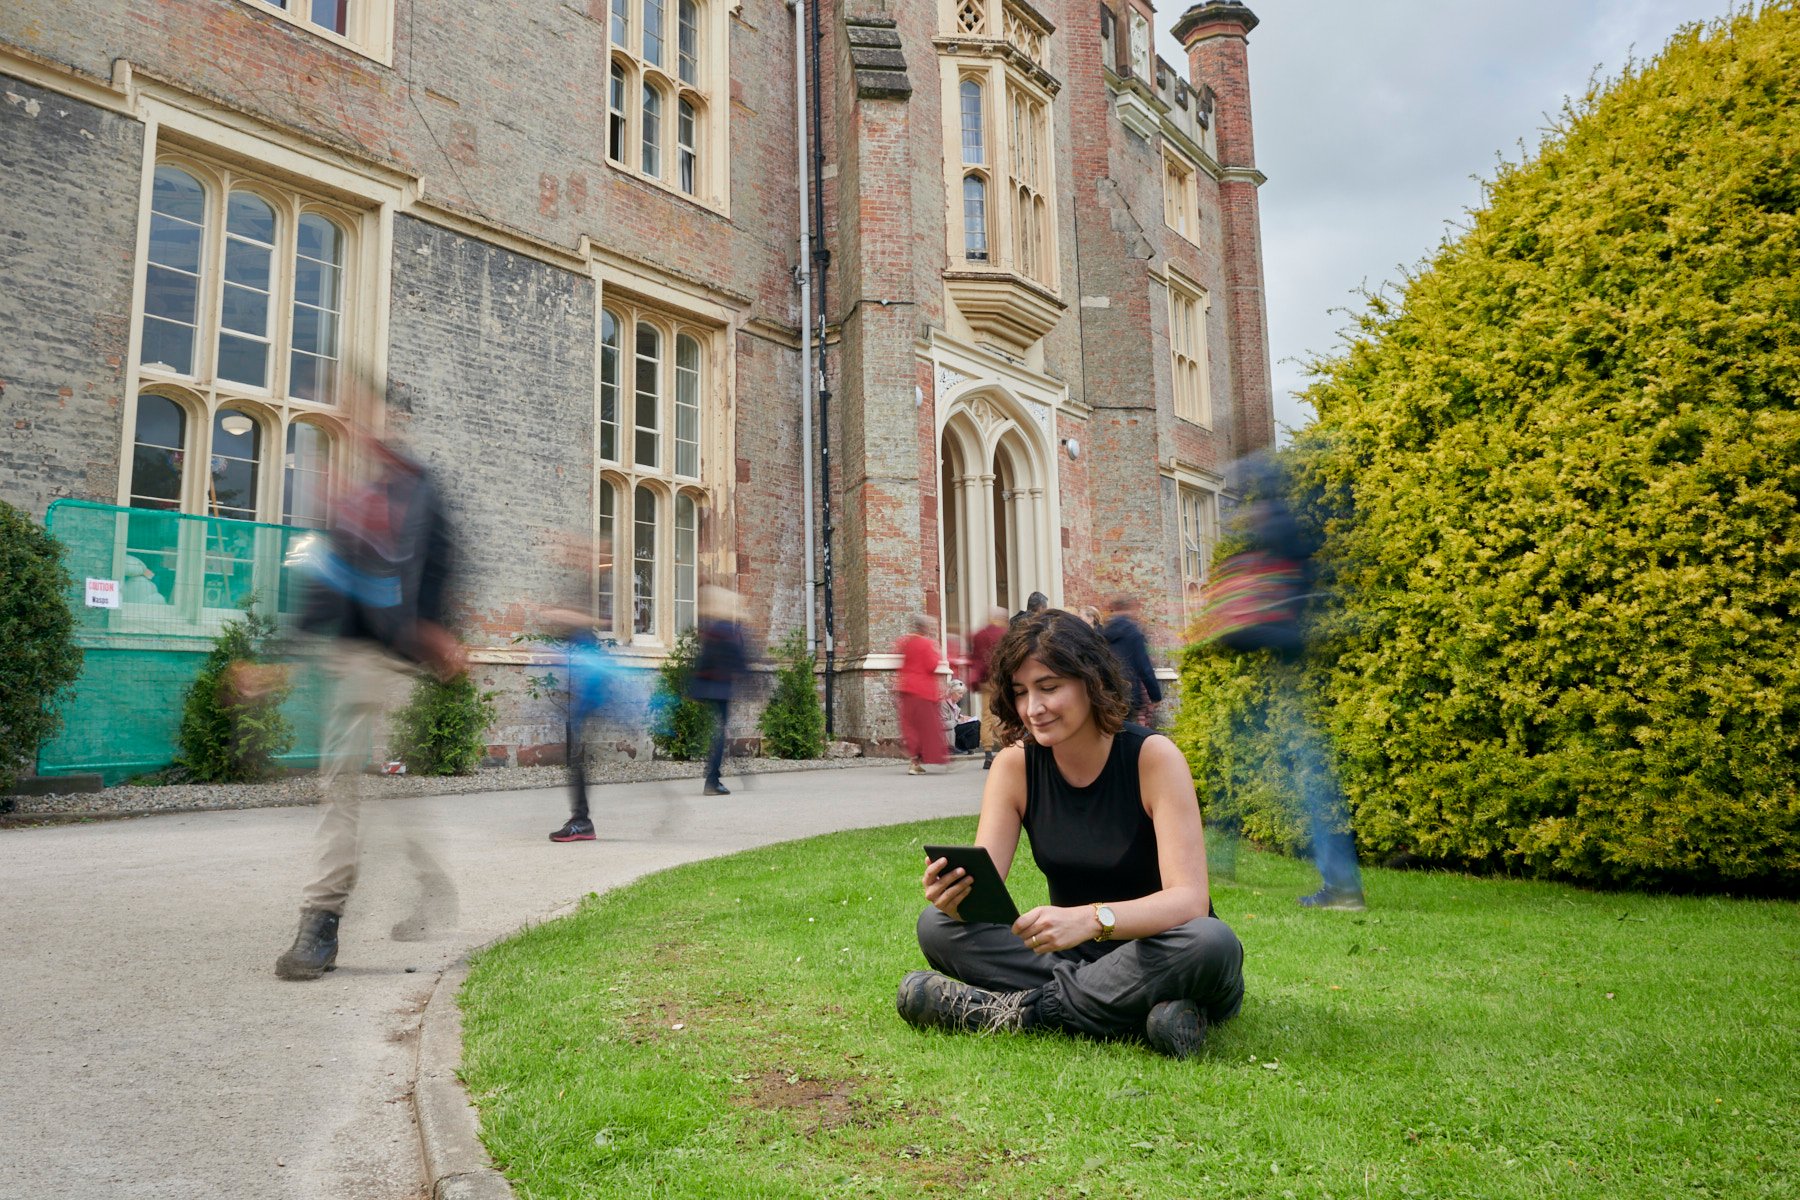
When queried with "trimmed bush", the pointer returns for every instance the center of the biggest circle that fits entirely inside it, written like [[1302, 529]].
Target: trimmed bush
[[793, 722], [681, 727], [1556, 482], [41, 661], [442, 730], [232, 726]]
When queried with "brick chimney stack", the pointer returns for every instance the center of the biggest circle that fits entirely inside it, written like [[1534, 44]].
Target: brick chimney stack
[[1214, 35]]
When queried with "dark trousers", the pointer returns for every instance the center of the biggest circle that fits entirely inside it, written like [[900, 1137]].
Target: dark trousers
[[577, 755], [1101, 989], [715, 754]]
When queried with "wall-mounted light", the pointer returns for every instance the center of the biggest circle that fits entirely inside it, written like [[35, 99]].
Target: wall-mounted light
[[236, 424], [1073, 447]]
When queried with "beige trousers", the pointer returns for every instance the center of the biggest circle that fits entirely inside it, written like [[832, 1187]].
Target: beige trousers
[[362, 676]]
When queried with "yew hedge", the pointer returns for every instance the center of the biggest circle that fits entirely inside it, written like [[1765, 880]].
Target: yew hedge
[[1556, 479]]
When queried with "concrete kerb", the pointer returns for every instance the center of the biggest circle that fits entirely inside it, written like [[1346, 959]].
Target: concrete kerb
[[457, 1166]]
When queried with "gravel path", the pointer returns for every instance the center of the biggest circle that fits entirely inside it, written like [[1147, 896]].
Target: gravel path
[[135, 800]]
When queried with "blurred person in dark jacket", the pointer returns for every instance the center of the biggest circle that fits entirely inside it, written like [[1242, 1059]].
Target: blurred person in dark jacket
[[1126, 637], [379, 593], [724, 660]]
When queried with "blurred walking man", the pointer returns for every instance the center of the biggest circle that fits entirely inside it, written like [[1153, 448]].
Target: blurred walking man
[[1126, 637], [379, 592], [724, 659]]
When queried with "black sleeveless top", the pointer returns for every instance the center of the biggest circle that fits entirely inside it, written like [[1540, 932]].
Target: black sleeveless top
[[1094, 844]]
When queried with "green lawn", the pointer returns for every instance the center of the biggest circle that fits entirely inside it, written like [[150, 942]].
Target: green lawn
[[727, 1029]]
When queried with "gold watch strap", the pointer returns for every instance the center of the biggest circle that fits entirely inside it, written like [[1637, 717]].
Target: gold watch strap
[[1106, 931]]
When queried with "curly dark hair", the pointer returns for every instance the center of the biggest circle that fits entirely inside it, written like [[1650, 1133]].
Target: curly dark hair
[[1070, 647]]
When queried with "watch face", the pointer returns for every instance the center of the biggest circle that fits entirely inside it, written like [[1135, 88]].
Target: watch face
[[1106, 917]]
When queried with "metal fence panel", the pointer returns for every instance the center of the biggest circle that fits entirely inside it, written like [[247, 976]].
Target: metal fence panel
[[175, 580]]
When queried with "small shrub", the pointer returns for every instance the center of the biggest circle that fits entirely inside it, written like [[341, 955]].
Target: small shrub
[[793, 724], [443, 728], [683, 727], [232, 726], [38, 631]]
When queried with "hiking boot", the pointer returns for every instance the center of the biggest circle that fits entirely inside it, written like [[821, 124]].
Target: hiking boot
[[575, 829], [929, 1000], [716, 789], [1334, 900], [314, 951], [1176, 1028]]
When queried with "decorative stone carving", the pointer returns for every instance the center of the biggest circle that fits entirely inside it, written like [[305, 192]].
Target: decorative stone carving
[[1140, 46], [947, 380]]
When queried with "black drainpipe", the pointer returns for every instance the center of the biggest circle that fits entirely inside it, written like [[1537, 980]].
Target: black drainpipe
[[822, 260]]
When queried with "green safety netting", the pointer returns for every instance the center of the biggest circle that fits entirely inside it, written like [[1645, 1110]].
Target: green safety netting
[[175, 580]]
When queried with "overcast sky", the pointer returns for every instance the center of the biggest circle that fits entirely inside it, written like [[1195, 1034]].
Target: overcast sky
[[1371, 119]]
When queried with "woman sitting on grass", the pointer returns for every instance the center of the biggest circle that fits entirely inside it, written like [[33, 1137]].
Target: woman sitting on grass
[[1127, 946]]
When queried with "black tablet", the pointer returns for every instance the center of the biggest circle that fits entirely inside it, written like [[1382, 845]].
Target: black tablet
[[988, 900]]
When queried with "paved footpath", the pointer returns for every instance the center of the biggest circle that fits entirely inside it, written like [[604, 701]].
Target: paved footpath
[[147, 1049]]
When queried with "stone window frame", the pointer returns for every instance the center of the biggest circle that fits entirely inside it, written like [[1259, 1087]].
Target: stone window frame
[[368, 24], [202, 395], [180, 126], [677, 495], [977, 170], [1007, 172], [1197, 523], [691, 91], [1181, 195], [1031, 175], [1190, 384]]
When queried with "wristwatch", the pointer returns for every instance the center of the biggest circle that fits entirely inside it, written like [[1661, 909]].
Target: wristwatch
[[1105, 916]]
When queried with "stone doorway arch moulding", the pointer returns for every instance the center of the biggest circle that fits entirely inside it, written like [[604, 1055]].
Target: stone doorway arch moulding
[[1000, 520]]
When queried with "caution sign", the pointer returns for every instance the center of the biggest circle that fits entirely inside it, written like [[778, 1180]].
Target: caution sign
[[103, 593]]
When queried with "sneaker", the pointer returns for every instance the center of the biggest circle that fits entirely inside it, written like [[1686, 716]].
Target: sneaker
[[574, 829], [716, 789], [315, 947], [1176, 1028], [1334, 900], [915, 769], [929, 1000]]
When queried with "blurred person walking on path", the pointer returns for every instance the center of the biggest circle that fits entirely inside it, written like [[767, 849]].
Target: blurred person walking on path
[[916, 692], [981, 656], [595, 687], [379, 591], [724, 659], [1257, 601], [1126, 637]]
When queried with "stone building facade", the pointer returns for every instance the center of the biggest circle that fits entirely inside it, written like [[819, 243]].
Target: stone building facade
[[567, 238]]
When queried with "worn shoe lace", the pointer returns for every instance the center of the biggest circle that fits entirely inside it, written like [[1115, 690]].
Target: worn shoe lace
[[930, 1000]]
